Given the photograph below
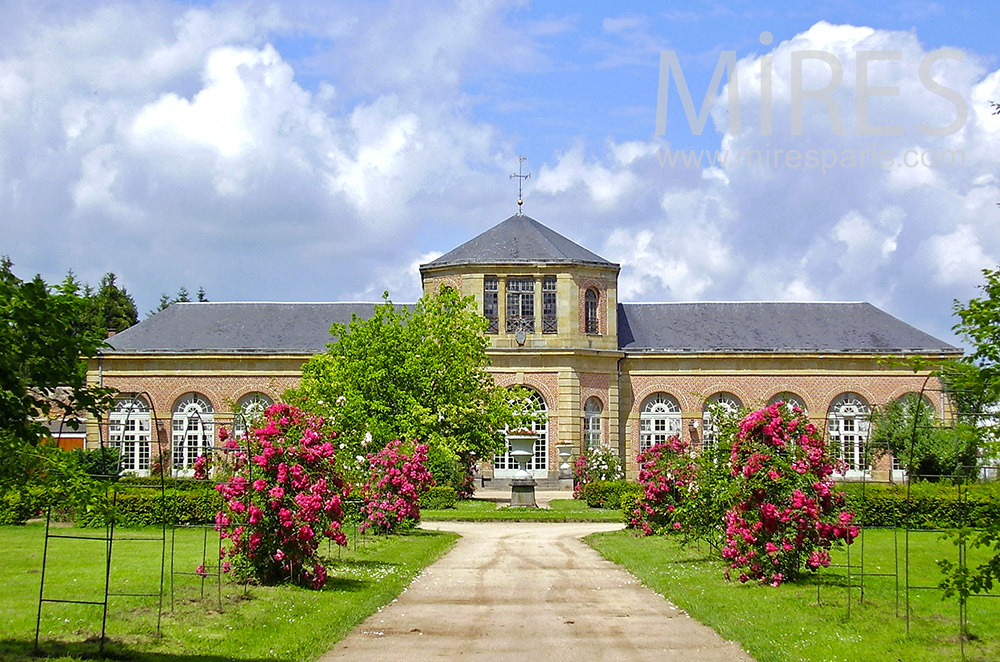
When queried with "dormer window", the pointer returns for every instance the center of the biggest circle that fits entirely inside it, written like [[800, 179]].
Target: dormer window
[[491, 303], [549, 317], [591, 322], [520, 305]]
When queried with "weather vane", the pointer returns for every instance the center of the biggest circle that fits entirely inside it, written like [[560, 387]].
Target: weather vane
[[520, 181]]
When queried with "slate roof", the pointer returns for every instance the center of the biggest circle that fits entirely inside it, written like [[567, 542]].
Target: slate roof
[[304, 328], [768, 327], [519, 239], [236, 328]]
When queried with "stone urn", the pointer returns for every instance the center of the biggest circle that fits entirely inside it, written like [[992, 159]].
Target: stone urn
[[522, 485]]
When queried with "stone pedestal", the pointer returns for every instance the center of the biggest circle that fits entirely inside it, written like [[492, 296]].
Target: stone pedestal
[[522, 486], [522, 493]]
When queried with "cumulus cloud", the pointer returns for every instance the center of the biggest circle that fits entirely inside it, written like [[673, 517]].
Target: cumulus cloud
[[903, 220], [306, 151]]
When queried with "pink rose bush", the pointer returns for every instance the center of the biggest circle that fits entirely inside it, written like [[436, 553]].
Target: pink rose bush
[[787, 513], [396, 481], [283, 498], [667, 473]]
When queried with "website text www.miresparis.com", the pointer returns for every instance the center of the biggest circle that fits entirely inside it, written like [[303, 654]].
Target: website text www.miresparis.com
[[810, 159], [824, 101]]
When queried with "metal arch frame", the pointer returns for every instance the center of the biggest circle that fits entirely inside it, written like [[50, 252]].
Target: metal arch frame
[[108, 538]]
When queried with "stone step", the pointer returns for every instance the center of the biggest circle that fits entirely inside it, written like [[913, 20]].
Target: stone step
[[540, 484]]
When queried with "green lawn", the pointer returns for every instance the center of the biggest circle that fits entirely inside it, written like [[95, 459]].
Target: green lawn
[[559, 510], [787, 623], [272, 623]]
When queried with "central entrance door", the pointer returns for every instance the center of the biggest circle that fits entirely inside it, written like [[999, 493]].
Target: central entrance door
[[504, 465]]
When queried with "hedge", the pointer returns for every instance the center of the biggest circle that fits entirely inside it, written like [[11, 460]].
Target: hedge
[[930, 505], [439, 497], [146, 508], [610, 493], [170, 483]]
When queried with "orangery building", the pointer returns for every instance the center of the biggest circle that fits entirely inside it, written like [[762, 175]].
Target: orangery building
[[607, 373]]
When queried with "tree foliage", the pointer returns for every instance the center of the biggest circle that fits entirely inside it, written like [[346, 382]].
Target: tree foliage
[[182, 296], [42, 339], [413, 373], [907, 429], [974, 383], [974, 380], [110, 307]]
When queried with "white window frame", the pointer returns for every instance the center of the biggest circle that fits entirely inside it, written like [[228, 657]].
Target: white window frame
[[790, 399], [192, 432], [709, 429], [130, 431], [504, 465], [848, 429], [593, 410], [659, 419], [250, 408]]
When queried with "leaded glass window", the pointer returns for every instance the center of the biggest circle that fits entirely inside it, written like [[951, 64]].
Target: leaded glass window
[[549, 315], [491, 303], [520, 305], [591, 321]]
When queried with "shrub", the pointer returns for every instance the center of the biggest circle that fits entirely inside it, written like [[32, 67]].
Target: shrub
[[98, 461], [439, 497], [595, 464], [19, 505], [610, 493], [666, 473], [392, 493], [282, 499], [787, 513], [451, 469]]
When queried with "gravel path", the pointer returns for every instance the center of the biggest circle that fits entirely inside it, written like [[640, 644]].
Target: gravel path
[[529, 591]]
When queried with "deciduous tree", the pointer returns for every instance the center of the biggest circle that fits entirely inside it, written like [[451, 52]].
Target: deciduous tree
[[414, 373]]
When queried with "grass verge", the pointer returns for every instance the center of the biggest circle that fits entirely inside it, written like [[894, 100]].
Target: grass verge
[[787, 623], [559, 510], [255, 623]]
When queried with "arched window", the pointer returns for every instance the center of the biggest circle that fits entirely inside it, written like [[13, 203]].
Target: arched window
[[249, 410], [193, 426], [710, 429], [590, 316], [847, 428], [592, 410], [659, 420], [129, 430], [790, 399], [504, 465]]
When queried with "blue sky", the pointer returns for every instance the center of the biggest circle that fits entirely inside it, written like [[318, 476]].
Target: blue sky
[[321, 151]]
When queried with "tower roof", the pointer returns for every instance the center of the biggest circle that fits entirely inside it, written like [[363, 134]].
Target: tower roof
[[520, 238]]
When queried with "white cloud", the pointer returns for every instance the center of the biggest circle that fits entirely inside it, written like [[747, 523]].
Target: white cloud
[[314, 151]]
